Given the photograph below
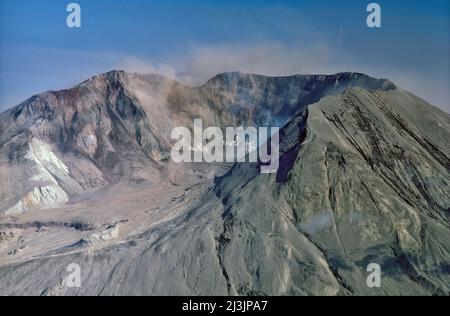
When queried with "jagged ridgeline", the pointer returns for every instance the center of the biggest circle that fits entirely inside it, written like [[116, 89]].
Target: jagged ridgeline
[[117, 126], [364, 178]]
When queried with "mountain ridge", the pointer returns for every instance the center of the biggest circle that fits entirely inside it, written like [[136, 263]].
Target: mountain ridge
[[364, 178], [117, 125]]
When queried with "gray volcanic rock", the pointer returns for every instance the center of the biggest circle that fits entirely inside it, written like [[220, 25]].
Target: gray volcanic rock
[[364, 178], [116, 127]]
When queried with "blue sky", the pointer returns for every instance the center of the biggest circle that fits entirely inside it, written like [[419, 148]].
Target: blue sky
[[193, 40]]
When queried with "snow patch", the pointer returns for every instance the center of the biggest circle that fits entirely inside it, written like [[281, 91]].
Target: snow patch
[[46, 197], [42, 154], [48, 165]]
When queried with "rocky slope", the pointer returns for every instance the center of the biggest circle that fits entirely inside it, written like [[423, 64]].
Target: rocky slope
[[364, 178], [116, 127]]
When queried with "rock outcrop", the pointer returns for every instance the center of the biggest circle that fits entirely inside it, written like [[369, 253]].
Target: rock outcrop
[[364, 178]]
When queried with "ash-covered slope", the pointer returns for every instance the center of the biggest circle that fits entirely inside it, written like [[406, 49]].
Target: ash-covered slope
[[116, 127], [364, 178]]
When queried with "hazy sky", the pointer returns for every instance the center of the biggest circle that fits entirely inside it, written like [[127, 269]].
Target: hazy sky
[[193, 40]]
